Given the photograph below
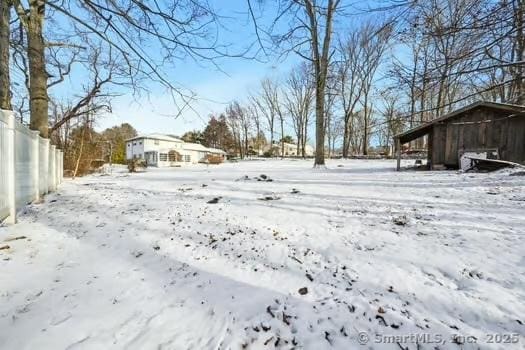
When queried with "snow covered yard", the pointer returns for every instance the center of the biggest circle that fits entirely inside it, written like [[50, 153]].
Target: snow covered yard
[[354, 257]]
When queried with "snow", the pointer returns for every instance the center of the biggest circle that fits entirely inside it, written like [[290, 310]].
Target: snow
[[142, 261]]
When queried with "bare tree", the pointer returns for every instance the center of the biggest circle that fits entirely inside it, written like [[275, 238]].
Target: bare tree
[[268, 102], [349, 83], [254, 114], [461, 51], [310, 36], [245, 125], [178, 30], [298, 96], [374, 41], [391, 121], [106, 70], [239, 123], [59, 64], [333, 123], [32, 19], [320, 23]]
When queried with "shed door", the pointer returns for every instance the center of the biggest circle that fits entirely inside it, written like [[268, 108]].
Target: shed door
[[451, 147]]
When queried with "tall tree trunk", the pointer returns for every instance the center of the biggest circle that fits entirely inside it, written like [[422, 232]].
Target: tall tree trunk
[[271, 141], [38, 99], [346, 138], [5, 81], [365, 137], [299, 139], [520, 48], [305, 135], [282, 136], [257, 139], [328, 133], [246, 140], [319, 125], [80, 151], [367, 112]]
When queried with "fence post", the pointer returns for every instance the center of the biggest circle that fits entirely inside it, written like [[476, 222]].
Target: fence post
[[61, 166], [46, 165], [35, 151], [11, 168], [52, 161], [57, 168]]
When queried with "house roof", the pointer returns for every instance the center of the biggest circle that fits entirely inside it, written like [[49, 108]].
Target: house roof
[[215, 150], [285, 143], [156, 137], [194, 147], [424, 129]]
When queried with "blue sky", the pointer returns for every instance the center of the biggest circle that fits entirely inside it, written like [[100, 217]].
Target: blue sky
[[214, 87], [235, 79]]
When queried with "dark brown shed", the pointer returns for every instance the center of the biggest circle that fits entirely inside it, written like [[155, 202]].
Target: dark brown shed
[[481, 126]]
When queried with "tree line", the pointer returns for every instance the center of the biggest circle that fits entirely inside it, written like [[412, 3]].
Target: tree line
[[366, 73], [44, 44], [85, 149], [400, 63]]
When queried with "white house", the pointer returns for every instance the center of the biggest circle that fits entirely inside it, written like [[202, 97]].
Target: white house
[[196, 151], [164, 150], [290, 150]]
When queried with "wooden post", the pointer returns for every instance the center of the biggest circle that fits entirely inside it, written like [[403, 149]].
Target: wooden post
[[430, 144], [398, 153], [11, 167]]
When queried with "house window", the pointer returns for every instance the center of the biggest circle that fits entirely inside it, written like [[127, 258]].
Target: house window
[[140, 142], [163, 157], [187, 158], [174, 156], [156, 142]]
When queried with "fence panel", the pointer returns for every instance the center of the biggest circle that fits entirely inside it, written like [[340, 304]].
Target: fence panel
[[29, 166], [51, 169], [43, 148], [4, 204], [59, 167], [23, 166]]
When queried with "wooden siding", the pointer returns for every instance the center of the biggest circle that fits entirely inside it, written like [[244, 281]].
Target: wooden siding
[[439, 140], [465, 132]]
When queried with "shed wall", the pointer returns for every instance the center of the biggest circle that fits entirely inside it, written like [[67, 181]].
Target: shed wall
[[466, 132]]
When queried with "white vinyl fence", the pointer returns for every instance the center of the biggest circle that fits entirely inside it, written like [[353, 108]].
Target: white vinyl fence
[[29, 166]]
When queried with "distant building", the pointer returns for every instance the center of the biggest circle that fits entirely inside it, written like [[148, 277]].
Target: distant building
[[290, 150], [483, 129], [165, 150]]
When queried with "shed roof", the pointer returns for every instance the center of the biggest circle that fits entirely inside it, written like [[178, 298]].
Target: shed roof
[[424, 129]]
